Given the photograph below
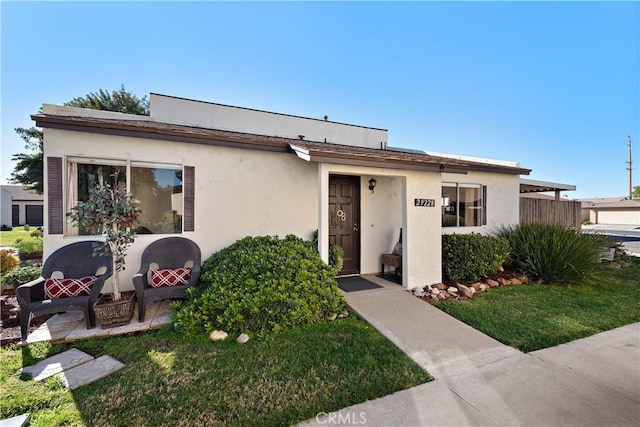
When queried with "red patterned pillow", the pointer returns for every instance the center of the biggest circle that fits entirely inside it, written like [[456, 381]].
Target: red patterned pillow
[[169, 277], [65, 288]]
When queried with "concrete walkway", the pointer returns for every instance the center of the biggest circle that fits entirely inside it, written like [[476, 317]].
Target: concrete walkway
[[479, 381]]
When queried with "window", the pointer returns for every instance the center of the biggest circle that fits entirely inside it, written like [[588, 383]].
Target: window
[[158, 192], [463, 205], [156, 188]]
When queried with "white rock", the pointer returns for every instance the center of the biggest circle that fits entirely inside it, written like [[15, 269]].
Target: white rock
[[345, 313], [435, 291], [332, 317], [218, 335], [452, 290], [242, 338]]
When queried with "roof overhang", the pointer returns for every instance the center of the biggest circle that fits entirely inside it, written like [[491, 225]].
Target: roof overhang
[[306, 150], [533, 186]]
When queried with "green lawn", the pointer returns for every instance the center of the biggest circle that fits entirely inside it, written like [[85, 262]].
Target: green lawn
[[532, 317], [170, 379], [8, 238]]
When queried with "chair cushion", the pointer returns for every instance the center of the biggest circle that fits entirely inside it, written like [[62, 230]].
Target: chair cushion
[[169, 277], [65, 288]]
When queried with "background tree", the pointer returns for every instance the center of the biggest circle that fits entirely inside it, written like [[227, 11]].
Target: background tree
[[28, 169], [636, 192]]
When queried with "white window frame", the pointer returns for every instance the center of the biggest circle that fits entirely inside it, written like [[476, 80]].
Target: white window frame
[[481, 208]]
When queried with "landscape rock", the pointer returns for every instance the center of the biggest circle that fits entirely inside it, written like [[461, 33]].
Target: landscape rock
[[503, 281], [452, 290], [242, 338], [464, 290], [435, 291], [345, 313], [515, 281], [492, 283], [332, 317], [524, 280], [476, 286], [443, 296], [483, 287], [440, 286], [218, 335], [501, 269], [473, 291]]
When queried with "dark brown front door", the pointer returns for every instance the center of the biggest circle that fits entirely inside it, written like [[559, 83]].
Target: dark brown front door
[[344, 219]]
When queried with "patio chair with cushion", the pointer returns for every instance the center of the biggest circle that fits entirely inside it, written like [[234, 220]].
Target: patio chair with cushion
[[72, 278], [169, 266]]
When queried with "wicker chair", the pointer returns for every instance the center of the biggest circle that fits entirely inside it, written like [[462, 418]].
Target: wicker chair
[[166, 253], [72, 261]]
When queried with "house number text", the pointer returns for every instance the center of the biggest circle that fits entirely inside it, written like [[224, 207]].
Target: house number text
[[429, 203]]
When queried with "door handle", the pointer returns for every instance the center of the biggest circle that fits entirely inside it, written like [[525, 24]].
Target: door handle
[[355, 227]]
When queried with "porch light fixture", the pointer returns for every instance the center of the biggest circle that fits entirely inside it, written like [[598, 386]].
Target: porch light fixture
[[372, 184]]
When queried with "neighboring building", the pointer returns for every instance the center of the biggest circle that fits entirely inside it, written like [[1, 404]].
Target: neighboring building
[[26, 207], [5, 215], [217, 173], [611, 210]]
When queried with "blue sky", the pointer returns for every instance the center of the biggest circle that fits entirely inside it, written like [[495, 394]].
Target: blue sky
[[552, 85]]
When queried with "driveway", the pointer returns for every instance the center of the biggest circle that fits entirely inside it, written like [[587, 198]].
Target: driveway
[[629, 235]]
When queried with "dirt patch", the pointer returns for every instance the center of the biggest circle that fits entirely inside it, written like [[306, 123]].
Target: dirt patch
[[10, 318]]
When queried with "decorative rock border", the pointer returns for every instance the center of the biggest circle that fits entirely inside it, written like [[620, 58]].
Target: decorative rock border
[[458, 291]]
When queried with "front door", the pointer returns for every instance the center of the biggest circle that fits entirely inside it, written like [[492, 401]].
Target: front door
[[344, 219]]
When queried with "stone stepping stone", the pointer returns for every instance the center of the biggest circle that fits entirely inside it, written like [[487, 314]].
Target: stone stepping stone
[[55, 364], [18, 421], [89, 372]]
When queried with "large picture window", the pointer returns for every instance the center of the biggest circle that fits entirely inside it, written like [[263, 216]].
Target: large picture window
[[462, 205], [156, 188]]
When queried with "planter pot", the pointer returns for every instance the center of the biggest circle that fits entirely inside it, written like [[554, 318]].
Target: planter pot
[[26, 257], [111, 313]]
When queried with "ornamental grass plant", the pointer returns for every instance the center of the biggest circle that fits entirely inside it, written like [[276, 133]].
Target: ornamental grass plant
[[552, 253]]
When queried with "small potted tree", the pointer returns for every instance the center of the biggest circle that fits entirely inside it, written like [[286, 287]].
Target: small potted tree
[[111, 211]]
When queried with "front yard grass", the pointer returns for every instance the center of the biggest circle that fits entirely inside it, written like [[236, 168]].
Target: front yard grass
[[8, 238], [171, 379], [532, 317]]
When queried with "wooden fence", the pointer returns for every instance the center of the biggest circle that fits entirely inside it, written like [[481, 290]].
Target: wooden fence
[[550, 212]]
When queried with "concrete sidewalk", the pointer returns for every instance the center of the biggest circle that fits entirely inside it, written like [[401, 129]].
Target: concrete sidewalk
[[479, 381]]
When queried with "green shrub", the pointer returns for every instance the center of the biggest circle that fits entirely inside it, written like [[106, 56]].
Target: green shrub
[[5, 227], [336, 253], [30, 245], [261, 285], [8, 261], [553, 253], [22, 275], [37, 233], [469, 257]]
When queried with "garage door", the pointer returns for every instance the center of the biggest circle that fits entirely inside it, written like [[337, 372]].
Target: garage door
[[34, 215], [630, 216]]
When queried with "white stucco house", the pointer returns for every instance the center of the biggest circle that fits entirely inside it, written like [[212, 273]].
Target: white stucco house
[[216, 173], [20, 207]]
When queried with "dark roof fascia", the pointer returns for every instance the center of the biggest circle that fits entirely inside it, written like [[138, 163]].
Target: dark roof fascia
[[164, 137], [181, 133], [382, 164]]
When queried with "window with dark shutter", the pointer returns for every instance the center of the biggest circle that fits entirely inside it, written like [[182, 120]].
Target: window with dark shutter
[[54, 195], [484, 205], [189, 198]]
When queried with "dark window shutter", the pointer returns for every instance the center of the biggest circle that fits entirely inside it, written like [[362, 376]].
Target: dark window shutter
[[54, 195], [484, 205], [189, 198]]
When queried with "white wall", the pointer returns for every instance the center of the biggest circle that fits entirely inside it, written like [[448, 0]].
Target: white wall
[[503, 199], [5, 215], [622, 216], [237, 192], [223, 117]]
